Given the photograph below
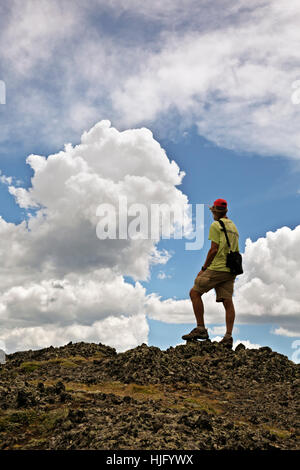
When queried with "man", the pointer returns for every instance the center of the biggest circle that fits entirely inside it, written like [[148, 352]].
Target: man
[[215, 274]]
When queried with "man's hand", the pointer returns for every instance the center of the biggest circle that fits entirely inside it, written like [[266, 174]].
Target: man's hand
[[210, 256]]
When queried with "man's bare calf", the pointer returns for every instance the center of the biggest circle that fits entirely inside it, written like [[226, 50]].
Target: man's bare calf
[[229, 315], [198, 308]]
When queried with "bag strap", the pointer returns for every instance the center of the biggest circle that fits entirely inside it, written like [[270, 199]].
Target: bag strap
[[224, 230]]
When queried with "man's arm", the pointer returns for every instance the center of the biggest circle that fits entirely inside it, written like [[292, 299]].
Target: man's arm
[[210, 255]]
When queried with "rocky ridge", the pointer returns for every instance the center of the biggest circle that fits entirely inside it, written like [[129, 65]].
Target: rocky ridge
[[195, 396]]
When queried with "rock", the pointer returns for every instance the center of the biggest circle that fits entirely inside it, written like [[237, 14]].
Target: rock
[[59, 387], [41, 387], [76, 416], [156, 425], [265, 349], [204, 423], [240, 347], [24, 399]]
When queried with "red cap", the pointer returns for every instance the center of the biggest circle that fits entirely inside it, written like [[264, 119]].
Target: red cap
[[219, 205]]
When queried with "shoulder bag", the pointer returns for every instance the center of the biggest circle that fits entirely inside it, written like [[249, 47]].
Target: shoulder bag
[[234, 258]]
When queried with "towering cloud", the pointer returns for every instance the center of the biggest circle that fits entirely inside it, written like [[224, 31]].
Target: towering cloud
[[58, 279]]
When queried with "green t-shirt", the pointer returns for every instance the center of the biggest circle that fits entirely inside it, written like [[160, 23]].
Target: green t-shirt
[[218, 236]]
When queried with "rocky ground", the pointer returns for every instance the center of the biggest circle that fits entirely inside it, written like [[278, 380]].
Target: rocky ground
[[195, 396]]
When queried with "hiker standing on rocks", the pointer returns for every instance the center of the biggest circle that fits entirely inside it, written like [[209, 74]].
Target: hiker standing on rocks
[[215, 274]]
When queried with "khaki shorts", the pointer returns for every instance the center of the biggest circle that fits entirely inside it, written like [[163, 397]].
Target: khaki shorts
[[222, 281]]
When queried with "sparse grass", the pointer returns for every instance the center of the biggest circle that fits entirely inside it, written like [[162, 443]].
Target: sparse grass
[[71, 361], [144, 390], [280, 433], [49, 420], [177, 399], [33, 365], [117, 388], [32, 421], [204, 404], [32, 444], [198, 358], [196, 386], [12, 420], [29, 366]]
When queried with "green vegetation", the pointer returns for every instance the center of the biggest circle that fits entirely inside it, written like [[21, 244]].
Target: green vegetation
[[32, 420], [66, 362], [202, 404], [29, 366]]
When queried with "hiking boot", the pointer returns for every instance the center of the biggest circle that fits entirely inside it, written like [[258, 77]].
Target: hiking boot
[[196, 333], [227, 341]]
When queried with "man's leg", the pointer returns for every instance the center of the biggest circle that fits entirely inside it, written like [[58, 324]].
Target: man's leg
[[229, 315], [197, 307], [200, 332]]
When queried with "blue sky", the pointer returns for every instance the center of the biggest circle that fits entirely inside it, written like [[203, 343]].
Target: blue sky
[[218, 89]]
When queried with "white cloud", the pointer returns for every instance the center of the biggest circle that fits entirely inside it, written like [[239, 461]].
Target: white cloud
[[220, 330], [296, 354], [181, 311], [120, 332], [5, 179], [34, 31], [22, 196], [229, 68], [75, 298], [268, 290], [162, 275], [55, 274], [284, 332], [234, 82], [104, 167]]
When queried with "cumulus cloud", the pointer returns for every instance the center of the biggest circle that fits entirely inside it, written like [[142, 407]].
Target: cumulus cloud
[[268, 291], [121, 332], [283, 332], [56, 274], [181, 311], [107, 165]]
